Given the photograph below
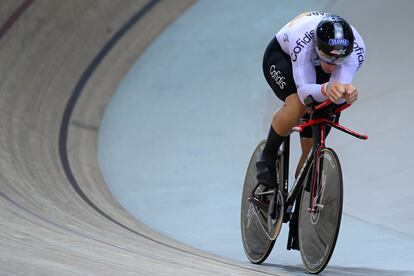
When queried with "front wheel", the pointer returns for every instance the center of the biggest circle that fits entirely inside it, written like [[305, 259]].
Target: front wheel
[[319, 228]]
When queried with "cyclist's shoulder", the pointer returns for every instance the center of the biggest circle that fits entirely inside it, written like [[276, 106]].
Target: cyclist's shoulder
[[308, 19], [358, 38], [358, 54], [300, 29]]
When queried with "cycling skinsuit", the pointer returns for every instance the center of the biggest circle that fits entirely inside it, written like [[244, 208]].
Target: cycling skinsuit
[[291, 65]]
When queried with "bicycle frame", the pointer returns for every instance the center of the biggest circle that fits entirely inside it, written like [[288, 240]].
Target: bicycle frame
[[319, 136], [308, 194]]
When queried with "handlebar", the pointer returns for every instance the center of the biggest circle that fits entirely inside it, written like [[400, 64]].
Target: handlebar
[[325, 121], [323, 105], [328, 103], [321, 121]]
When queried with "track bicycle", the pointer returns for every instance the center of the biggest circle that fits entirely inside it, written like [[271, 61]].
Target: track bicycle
[[312, 206]]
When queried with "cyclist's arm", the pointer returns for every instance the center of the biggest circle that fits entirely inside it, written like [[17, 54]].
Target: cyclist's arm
[[341, 78], [305, 77], [340, 84]]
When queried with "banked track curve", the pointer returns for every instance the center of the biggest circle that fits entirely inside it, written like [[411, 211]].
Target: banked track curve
[[58, 216]]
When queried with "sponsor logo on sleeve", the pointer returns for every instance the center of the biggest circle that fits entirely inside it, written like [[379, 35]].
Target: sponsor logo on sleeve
[[360, 52], [277, 76], [301, 43]]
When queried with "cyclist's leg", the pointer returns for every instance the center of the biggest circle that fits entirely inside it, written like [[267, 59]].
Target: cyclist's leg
[[284, 119], [288, 115], [306, 144], [277, 69]]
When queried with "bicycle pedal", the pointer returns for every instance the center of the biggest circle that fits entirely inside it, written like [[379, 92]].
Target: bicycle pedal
[[263, 206], [264, 193]]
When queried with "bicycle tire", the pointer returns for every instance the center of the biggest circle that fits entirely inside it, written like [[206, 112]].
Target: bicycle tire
[[318, 232], [256, 243]]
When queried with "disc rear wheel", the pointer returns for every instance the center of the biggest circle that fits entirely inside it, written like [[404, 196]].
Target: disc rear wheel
[[261, 217]]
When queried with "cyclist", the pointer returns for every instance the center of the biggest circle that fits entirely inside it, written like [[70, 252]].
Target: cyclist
[[315, 54]]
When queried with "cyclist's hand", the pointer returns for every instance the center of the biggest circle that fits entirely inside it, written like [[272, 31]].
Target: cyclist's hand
[[335, 91], [351, 93]]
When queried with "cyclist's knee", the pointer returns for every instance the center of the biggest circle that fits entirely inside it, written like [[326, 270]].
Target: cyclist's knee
[[288, 115], [294, 105], [306, 145], [292, 109]]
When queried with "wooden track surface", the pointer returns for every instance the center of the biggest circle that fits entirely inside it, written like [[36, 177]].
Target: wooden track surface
[[57, 215]]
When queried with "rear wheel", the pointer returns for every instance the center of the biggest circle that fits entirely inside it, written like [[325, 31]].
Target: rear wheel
[[260, 221], [318, 230]]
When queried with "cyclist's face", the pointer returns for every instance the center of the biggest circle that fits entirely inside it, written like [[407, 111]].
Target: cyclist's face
[[328, 67]]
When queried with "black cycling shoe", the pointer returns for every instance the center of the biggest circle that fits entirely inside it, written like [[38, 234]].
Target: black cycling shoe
[[265, 175]]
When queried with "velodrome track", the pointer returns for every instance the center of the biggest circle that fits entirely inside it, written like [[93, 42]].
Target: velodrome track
[[61, 63], [196, 104]]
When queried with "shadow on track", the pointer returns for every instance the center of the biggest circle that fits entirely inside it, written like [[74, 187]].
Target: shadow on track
[[341, 271]]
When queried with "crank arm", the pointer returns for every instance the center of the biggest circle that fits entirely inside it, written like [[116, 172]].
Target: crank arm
[[262, 206]]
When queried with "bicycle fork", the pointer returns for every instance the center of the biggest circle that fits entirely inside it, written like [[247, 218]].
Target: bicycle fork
[[315, 195]]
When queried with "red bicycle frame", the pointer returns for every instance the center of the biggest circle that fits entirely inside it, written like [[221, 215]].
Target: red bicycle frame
[[319, 145]]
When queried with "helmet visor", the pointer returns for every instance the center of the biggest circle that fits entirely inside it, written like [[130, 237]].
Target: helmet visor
[[337, 60]]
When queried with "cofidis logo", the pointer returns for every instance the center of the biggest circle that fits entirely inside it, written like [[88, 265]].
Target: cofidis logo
[[301, 43]]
